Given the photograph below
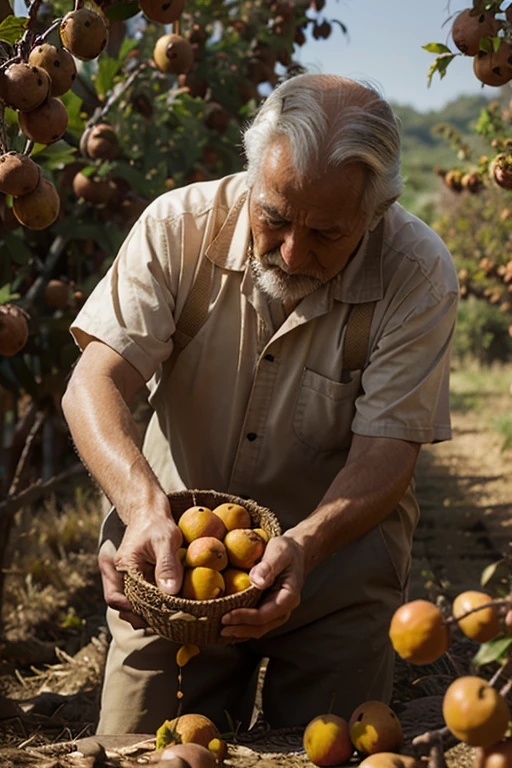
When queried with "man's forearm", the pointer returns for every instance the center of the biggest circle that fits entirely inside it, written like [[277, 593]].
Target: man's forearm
[[363, 494]]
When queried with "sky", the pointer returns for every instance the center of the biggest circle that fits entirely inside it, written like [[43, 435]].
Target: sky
[[384, 45]]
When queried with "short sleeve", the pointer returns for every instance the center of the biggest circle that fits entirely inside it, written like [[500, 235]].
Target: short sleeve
[[132, 307], [406, 383]]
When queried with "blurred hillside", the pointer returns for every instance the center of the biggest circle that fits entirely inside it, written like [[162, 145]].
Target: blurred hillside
[[423, 150]]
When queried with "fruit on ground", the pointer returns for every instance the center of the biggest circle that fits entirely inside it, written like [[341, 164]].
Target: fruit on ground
[[497, 756], [418, 632], [56, 294], [206, 551], [19, 174], [390, 760], [192, 755], [469, 28], [23, 86], [374, 727], [482, 625], [93, 189], [40, 208], [475, 712], [219, 748], [494, 68], [13, 329], [46, 123], [244, 547], [59, 64], [173, 54], [102, 142], [200, 521], [235, 580], [162, 11], [202, 584], [327, 741], [84, 33], [233, 516], [187, 729]]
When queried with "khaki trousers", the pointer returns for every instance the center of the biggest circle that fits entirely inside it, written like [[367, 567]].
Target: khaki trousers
[[334, 652]]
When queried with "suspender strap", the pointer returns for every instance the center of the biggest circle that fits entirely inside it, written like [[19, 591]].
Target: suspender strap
[[196, 306]]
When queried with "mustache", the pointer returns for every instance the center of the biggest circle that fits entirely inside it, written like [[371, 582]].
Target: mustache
[[273, 258]]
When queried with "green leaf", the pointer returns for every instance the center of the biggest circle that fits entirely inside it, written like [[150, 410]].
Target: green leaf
[[12, 29], [128, 45], [440, 65], [486, 44], [497, 575], [18, 250], [122, 11], [5, 294], [494, 650], [73, 104], [133, 177], [436, 48], [107, 70], [55, 156]]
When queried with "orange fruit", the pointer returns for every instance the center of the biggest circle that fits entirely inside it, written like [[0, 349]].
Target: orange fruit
[[475, 712], [482, 625], [202, 584], [418, 632], [233, 516]]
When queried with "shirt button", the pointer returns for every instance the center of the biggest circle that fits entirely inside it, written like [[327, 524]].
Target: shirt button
[[270, 358], [251, 436]]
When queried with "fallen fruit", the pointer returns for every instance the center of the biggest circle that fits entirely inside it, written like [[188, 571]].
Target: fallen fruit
[[327, 741], [187, 729], [475, 712], [497, 756], [482, 625], [418, 632], [40, 208], [374, 727], [390, 760], [194, 755], [13, 329]]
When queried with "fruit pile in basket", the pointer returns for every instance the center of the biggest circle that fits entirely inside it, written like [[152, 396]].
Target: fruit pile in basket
[[219, 549]]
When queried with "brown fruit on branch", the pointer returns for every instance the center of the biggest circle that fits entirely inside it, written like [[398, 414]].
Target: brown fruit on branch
[[453, 180], [93, 189], [40, 208], [13, 329], [46, 123], [468, 29], [162, 11], [472, 182], [475, 712], [482, 625], [84, 33], [102, 142], [173, 54], [418, 632], [59, 64], [374, 727], [494, 69], [57, 294], [500, 169], [19, 174], [196, 86], [23, 86]]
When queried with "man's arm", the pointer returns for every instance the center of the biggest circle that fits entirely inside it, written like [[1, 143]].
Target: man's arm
[[367, 489], [96, 408]]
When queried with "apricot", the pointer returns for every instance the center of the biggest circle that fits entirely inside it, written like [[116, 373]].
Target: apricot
[[418, 632], [23, 86], [244, 547], [235, 580], [84, 33], [46, 123], [497, 756], [56, 294], [102, 142], [482, 625], [207, 551], [191, 755], [233, 516], [59, 64], [475, 712], [173, 54], [326, 740], [162, 11], [19, 175], [374, 727], [40, 208], [200, 521], [13, 329], [187, 729], [390, 760], [202, 584]]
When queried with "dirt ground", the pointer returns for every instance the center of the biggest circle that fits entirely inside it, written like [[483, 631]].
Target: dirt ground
[[464, 486]]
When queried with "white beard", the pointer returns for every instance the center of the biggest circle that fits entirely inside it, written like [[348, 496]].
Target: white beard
[[271, 278]]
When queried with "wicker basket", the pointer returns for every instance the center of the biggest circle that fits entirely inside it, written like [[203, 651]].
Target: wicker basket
[[195, 621]]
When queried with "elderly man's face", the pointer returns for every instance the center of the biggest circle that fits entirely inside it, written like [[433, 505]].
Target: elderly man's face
[[303, 235]]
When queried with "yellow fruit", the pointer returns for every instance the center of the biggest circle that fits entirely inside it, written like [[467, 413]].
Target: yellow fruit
[[187, 729], [185, 653], [482, 625], [327, 741], [264, 535], [206, 551], [200, 521], [219, 748], [497, 756], [374, 727], [418, 632], [390, 760], [233, 516], [40, 208], [202, 584], [188, 756], [235, 580], [244, 547], [475, 712]]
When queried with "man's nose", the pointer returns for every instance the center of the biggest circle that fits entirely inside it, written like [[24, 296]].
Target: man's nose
[[295, 251]]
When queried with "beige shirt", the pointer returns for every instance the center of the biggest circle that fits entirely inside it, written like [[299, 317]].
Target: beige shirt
[[257, 404]]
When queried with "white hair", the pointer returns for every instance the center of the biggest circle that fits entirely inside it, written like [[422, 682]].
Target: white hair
[[330, 120]]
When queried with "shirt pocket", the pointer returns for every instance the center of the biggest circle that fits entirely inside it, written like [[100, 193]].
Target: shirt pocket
[[324, 411]]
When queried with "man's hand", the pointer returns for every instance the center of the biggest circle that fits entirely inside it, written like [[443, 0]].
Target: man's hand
[[282, 567], [149, 547]]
